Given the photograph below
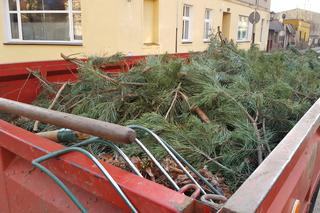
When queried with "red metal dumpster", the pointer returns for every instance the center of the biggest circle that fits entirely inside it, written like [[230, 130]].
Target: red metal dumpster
[[285, 182]]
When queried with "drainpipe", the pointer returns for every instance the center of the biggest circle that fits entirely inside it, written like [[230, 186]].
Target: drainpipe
[[177, 17]]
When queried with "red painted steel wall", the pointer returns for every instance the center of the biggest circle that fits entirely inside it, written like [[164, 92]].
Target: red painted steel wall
[[25, 189], [290, 173], [16, 83]]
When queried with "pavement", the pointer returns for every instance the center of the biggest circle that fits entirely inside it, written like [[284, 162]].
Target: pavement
[[317, 49], [317, 205]]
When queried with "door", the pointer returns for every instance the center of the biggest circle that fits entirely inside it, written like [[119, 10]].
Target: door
[[226, 20]]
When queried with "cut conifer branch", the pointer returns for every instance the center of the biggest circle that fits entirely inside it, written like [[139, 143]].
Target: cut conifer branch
[[36, 124], [202, 115], [233, 106], [174, 100]]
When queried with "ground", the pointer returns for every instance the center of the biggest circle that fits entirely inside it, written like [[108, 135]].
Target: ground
[[317, 205]]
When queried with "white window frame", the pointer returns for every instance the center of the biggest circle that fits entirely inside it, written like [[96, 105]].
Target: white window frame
[[69, 11], [187, 38], [207, 22], [249, 30]]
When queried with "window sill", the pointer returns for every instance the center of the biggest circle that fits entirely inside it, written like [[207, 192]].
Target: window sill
[[64, 43], [206, 41], [150, 44], [186, 42], [243, 41]]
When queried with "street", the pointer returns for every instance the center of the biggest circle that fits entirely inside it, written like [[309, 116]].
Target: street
[[317, 205], [317, 49]]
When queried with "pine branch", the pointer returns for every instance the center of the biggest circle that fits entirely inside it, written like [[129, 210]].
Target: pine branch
[[202, 115], [174, 100], [36, 124]]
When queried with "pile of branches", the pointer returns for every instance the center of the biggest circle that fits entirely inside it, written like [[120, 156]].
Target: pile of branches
[[223, 109]]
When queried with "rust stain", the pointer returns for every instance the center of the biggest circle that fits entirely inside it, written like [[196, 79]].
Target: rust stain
[[184, 206]]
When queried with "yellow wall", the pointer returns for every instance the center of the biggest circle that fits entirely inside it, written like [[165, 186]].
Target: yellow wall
[[151, 21], [111, 26], [301, 27]]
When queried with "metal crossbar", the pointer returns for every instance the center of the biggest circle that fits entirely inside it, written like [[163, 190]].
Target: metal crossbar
[[96, 140], [177, 158]]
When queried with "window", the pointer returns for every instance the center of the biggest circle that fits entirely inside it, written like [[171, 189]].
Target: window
[[243, 28], [186, 29], [207, 25], [44, 20]]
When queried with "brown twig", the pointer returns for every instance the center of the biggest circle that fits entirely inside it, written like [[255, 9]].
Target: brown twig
[[260, 146], [133, 84], [75, 61], [174, 100], [36, 124], [265, 133], [43, 81], [80, 63], [24, 85], [210, 159], [202, 115], [106, 77], [254, 122]]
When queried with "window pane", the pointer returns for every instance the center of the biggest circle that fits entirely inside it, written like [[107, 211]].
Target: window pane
[[206, 31], [77, 28], [76, 5], [14, 26], [187, 30], [45, 26], [208, 14], [12, 5], [243, 28], [186, 11], [44, 4], [183, 27]]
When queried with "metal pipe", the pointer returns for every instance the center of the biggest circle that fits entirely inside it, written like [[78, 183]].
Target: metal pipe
[[160, 141], [158, 164], [193, 170], [179, 158], [114, 147], [114, 184], [104, 130]]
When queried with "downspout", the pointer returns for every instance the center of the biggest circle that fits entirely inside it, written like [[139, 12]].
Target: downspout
[[176, 41]]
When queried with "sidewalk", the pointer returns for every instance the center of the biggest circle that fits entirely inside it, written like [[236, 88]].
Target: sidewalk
[[317, 205], [317, 49]]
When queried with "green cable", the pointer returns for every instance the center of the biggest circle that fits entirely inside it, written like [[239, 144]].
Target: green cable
[[74, 199], [37, 164], [62, 186]]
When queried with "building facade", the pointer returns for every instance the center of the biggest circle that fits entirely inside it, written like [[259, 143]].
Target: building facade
[[311, 18], [302, 29], [281, 35], [34, 30]]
